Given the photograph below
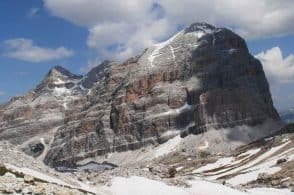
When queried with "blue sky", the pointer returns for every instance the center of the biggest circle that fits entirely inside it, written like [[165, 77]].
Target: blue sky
[[36, 35]]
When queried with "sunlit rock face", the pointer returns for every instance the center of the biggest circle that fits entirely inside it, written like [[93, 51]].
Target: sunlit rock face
[[201, 78]]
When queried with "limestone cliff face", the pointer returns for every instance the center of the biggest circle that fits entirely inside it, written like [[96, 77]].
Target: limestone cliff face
[[201, 78]]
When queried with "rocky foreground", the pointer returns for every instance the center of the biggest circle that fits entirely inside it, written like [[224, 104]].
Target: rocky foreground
[[262, 167]]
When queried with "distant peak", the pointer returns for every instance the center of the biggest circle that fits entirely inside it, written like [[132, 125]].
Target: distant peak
[[59, 70], [199, 26], [95, 74]]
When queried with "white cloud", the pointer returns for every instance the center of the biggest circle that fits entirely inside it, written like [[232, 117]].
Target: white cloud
[[118, 41], [2, 93], [291, 97], [26, 50], [117, 29], [250, 18], [129, 26], [278, 69], [33, 11], [91, 12]]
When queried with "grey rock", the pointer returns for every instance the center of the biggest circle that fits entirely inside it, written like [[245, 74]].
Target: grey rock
[[28, 179], [282, 160]]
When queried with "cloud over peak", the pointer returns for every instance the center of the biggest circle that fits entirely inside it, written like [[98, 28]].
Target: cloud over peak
[[26, 50], [277, 68], [120, 29]]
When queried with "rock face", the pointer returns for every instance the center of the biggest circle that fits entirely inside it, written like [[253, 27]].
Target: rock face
[[201, 78]]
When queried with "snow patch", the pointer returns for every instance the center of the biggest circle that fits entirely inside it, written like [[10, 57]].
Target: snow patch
[[59, 82], [167, 147], [42, 141], [185, 107], [219, 163], [198, 34], [143, 186], [179, 168], [250, 152], [61, 91], [205, 146]]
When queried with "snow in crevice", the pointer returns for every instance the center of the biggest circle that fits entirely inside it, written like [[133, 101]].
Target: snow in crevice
[[59, 82], [172, 52], [198, 34], [225, 162], [269, 166], [265, 163], [232, 50], [176, 111], [219, 163]]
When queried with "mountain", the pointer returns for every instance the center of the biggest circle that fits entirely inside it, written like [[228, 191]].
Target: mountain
[[191, 115], [288, 115], [203, 79]]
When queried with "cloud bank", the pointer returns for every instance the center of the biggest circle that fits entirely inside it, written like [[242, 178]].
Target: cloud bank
[[26, 50], [120, 29]]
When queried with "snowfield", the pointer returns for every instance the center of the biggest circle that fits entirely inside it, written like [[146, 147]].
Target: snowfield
[[140, 185]]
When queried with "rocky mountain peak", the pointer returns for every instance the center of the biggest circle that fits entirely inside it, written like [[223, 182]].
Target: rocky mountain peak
[[58, 77], [199, 26], [95, 74], [60, 72]]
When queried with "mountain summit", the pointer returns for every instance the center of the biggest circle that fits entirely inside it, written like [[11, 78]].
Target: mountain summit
[[201, 80]]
